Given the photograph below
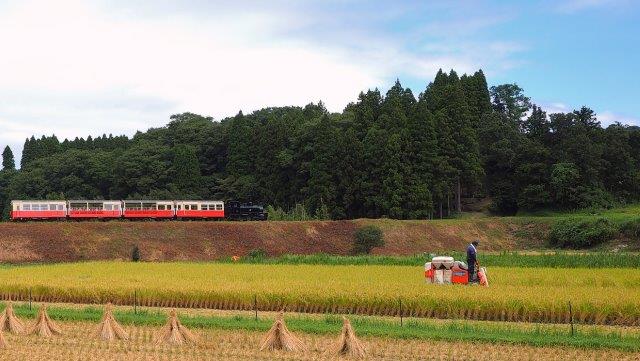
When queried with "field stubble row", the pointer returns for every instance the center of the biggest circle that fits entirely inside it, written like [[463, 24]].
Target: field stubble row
[[77, 344]]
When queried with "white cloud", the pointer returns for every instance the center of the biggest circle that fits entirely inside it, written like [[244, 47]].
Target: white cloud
[[72, 68], [78, 68], [608, 117], [555, 107], [605, 117]]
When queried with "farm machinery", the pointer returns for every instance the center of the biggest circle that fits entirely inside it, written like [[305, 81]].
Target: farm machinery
[[446, 270]]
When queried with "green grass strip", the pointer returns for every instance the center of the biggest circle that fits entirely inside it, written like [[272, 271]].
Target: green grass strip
[[557, 259], [331, 325], [506, 259]]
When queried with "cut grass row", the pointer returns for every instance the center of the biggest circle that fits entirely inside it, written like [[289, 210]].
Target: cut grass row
[[598, 296], [454, 331]]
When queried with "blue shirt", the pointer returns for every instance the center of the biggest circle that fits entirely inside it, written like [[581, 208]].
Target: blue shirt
[[471, 255]]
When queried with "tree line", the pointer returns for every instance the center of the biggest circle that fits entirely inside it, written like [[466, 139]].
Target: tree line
[[386, 155]]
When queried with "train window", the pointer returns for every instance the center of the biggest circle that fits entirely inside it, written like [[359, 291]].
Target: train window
[[179, 206], [161, 207], [219, 207], [194, 207], [108, 207], [26, 207]]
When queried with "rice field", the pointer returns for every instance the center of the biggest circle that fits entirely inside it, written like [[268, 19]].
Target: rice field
[[79, 342], [598, 296]]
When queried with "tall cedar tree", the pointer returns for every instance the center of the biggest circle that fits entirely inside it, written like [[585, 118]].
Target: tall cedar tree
[[8, 162]]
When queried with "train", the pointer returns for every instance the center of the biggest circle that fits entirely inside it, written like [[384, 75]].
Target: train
[[62, 210]]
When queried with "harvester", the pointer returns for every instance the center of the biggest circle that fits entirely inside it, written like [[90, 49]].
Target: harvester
[[446, 270]]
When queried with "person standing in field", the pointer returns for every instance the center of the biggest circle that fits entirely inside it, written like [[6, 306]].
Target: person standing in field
[[472, 261]]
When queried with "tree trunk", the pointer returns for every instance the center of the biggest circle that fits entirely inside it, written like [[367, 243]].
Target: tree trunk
[[458, 196], [448, 205], [440, 205]]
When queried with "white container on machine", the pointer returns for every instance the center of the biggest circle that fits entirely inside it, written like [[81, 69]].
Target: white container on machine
[[439, 270], [442, 262]]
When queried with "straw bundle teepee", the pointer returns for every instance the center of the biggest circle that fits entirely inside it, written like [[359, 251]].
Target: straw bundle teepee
[[174, 333], [280, 338], [109, 329], [348, 343], [44, 326], [9, 321], [3, 342]]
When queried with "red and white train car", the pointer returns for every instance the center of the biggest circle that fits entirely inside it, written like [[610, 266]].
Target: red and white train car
[[86, 209], [22, 210], [105, 210], [148, 209], [199, 209]]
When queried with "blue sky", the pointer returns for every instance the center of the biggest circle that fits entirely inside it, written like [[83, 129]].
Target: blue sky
[[78, 68]]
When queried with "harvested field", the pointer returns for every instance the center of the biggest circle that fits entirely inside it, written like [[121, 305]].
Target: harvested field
[[244, 345], [598, 296], [200, 241]]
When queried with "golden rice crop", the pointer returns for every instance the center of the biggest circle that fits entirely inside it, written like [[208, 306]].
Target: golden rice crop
[[598, 296], [244, 345]]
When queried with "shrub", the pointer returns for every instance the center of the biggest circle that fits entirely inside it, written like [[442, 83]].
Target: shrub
[[135, 254], [367, 238], [581, 233], [631, 228], [297, 213], [257, 254]]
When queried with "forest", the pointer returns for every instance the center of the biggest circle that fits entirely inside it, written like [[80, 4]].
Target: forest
[[386, 155]]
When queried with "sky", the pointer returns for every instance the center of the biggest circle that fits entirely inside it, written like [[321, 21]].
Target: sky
[[78, 68]]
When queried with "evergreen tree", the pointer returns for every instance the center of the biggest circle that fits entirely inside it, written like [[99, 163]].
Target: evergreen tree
[[27, 151], [477, 95], [8, 163], [186, 172], [499, 139]]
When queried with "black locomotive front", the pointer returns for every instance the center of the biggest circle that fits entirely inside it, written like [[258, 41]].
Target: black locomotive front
[[237, 211]]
